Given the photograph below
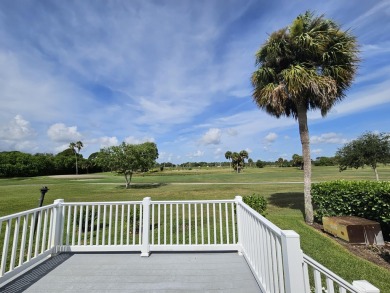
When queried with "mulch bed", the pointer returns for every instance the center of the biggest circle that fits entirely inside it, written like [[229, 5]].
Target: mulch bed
[[379, 255]]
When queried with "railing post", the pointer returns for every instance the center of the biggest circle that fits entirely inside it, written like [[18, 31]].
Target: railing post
[[365, 287], [145, 249], [238, 200], [292, 262], [57, 224]]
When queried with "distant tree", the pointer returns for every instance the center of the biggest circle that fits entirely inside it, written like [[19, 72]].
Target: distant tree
[[325, 161], [228, 156], [306, 66], [76, 147], [297, 161], [368, 149], [260, 164], [280, 162], [127, 159], [238, 159], [250, 162]]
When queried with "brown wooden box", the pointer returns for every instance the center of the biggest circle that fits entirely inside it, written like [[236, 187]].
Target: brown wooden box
[[354, 229]]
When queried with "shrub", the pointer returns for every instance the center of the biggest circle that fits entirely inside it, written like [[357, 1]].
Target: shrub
[[256, 202], [366, 199]]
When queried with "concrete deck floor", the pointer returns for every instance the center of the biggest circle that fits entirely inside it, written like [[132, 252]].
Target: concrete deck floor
[[128, 272]]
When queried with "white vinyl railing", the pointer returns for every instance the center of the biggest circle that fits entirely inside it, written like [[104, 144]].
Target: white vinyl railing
[[274, 255], [193, 225], [101, 226], [318, 279], [27, 238]]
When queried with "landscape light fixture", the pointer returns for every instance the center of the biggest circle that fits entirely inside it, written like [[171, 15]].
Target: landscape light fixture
[[44, 189]]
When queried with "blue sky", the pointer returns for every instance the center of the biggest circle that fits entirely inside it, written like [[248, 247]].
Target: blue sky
[[173, 72]]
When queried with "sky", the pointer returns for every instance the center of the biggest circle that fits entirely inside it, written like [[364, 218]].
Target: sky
[[173, 72]]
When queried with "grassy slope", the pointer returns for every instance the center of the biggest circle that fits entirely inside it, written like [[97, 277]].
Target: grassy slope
[[285, 209]]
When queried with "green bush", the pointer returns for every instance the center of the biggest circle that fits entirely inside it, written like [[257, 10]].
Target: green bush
[[256, 202], [366, 199]]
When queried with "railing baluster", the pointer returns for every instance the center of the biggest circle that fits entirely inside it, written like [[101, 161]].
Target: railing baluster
[[208, 223], [86, 224], [5, 247], [220, 224], [171, 223], [122, 219], [201, 223], [31, 236], [177, 223], [43, 245], [329, 285], [109, 225], [92, 225], [98, 225], [104, 225], [158, 224], [23, 242], [141, 211], [116, 225], [80, 224], [189, 224], [317, 281], [165, 224], [135, 222], [227, 223], [215, 224], [128, 225], [184, 223], [152, 206], [196, 223], [68, 225], [233, 224], [14, 243], [74, 225], [38, 234]]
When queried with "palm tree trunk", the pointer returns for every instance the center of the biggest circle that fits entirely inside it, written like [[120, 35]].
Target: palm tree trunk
[[376, 174], [304, 134], [77, 169]]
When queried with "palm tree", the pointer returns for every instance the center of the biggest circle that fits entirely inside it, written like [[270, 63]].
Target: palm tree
[[76, 147], [244, 155], [228, 156], [306, 66]]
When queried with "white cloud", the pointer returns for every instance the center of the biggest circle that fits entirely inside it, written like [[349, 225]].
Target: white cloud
[[59, 132], [196, 154], [317, 151], [218, 152], [271, 137], [330, 137], [16, 130], [232, 132], [212, 136], [107, 141], [134, 140]]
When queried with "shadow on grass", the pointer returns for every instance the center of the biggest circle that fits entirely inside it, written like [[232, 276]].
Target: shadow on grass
[[142, 186], [291, 200]]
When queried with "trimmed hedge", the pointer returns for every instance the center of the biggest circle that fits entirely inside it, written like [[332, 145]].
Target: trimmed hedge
[[256, 202], [366, 199]]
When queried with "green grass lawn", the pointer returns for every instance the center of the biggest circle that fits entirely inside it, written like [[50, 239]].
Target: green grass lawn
[[282, 187]]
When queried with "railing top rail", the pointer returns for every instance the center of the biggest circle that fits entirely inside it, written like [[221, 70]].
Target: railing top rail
[[21, 214], [82, 203], [191, 201], [275, 229], [329, 273]]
